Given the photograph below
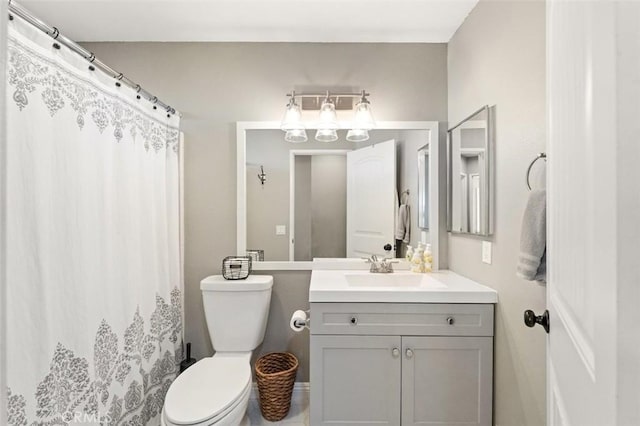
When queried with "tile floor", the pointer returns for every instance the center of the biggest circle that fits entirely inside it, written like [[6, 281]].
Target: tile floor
[[298, 415]]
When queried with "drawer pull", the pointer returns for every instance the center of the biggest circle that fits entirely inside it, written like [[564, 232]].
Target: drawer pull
[[409, 353], [353, 320], [395, 352], [450, 320]]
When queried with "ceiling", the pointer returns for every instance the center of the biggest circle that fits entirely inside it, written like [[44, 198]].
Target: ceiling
[[413, 21]]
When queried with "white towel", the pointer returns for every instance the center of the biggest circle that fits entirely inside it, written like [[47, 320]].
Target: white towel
[[403, 224], [532, 264]]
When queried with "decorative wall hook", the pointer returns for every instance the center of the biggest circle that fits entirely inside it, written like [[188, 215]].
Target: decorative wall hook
[[262, 176]]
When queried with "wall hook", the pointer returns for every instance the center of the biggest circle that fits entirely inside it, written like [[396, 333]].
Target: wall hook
[[262, 176]]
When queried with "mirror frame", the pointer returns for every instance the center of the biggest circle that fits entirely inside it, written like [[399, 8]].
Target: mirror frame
[[241, 193], [488, 170], [423, 190]]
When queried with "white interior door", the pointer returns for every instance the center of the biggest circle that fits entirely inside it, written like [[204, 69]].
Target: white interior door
[[371, 199], [593, 91]]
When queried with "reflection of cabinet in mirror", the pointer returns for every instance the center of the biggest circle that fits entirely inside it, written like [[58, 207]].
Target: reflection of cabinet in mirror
[[469, 152], [275, 216]]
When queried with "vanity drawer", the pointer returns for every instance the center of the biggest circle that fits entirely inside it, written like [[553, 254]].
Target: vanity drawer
[[406, 319]]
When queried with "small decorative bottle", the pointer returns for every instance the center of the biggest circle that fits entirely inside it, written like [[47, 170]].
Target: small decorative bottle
[[417, 261], [428, 259], [409, 254]]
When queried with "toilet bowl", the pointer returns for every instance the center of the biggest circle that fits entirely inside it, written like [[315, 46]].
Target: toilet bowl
[[216, 390]]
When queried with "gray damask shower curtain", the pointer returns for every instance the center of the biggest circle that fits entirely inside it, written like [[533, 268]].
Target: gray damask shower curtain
[[93, 264]]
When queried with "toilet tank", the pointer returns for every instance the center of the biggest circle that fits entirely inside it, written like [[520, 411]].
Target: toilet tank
[[236, 311]]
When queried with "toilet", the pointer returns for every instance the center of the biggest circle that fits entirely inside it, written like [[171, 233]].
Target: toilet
[[216, 390]]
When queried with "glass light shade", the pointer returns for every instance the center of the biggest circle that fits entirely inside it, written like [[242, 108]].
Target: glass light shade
[[363, 119], [296, 136], [357, 135], [292, 119], [328, 116], [326, 135]]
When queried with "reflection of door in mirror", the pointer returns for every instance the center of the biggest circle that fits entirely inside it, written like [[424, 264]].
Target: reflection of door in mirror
[[371, 194]]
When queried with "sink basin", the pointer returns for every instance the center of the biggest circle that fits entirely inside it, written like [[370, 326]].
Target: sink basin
[[391, 280], [401, 286]]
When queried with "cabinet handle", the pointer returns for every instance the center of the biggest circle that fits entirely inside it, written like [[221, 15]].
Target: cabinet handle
[[395, 352], [450, 320], [353, 320], [409, 353]]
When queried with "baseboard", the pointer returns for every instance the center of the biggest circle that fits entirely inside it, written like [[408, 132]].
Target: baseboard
[[299, 396]]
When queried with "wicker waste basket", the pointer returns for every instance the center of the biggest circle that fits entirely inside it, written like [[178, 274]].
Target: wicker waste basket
[[276, 374]]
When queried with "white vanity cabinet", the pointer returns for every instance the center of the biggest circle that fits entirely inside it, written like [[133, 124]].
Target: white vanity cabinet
[[401, 364]]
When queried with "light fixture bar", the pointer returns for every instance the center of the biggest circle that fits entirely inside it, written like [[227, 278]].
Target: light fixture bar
[[328, 94]]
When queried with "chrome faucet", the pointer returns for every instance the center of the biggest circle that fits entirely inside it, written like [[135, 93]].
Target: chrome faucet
[[384, 266]]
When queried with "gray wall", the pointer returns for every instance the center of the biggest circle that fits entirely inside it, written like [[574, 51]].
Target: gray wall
[[329, 206], [303, 208], [217, 84], [498, 57]]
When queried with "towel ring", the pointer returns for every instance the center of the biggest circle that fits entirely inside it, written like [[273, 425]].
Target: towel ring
[[542, 156]]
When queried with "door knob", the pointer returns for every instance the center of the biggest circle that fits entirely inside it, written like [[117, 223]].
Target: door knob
[[387, 247], [531, 319], [409, 353], [395, 352]]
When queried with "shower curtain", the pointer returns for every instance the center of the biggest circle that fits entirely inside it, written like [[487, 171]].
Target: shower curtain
[[93, 260]]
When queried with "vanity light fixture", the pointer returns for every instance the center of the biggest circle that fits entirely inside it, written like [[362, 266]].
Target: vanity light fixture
[[328, 119]]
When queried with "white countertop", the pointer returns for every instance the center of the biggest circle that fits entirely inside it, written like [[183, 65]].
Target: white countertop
[[400, 286]]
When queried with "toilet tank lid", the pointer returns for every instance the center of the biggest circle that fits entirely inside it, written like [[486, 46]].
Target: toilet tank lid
[[252, 283]]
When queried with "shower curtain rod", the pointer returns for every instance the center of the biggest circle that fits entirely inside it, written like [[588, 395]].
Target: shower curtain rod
[[54, 33]]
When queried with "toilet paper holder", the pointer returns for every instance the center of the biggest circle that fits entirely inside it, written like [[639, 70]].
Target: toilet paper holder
[[303, 323]]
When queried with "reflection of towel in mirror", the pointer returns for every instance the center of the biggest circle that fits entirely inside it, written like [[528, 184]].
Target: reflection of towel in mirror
[[532, 265], [403, 224]]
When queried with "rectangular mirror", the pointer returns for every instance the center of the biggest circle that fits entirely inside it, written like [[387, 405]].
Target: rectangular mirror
[[470, 174], [299, 202]]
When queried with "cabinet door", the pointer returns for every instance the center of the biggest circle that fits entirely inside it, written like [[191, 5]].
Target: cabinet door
[[447, 381], [355, 380]]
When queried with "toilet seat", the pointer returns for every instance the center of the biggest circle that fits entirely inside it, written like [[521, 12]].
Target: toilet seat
[[208, 391]]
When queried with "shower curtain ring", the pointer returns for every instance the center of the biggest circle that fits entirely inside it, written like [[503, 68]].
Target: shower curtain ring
[[55, 34]]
